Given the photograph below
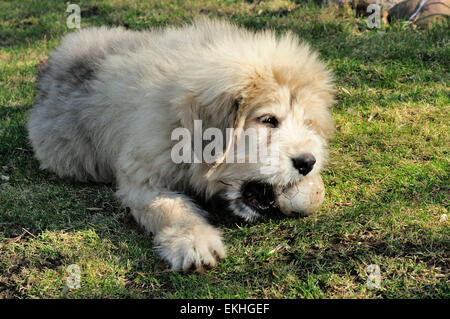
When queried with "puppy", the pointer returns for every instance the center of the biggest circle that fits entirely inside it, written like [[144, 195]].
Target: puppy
[[110, 100]]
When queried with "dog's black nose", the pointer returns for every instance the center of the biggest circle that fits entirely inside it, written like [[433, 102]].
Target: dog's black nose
[[304, 163]]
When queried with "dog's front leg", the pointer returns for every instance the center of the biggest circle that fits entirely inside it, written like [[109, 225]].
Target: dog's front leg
[[182, 235]]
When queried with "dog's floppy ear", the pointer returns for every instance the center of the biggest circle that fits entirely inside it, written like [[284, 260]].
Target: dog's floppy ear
[[187, 110], [239, 112], [219, 112]]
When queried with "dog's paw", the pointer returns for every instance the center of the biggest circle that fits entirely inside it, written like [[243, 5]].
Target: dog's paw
[[185, 246]]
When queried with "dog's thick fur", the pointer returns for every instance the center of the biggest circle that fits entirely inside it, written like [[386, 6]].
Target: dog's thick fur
[[109, 100]]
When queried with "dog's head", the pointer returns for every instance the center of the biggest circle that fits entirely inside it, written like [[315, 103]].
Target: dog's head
[[275, 93]]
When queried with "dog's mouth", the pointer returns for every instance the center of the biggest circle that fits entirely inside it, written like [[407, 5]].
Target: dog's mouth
[[259, 196]]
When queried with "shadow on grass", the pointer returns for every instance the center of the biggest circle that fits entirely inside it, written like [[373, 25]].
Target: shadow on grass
[[114, 224]]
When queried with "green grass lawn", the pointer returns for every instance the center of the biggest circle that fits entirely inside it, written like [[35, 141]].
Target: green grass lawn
[[387, 185]]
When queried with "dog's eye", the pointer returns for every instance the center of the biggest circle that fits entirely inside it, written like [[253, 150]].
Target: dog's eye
[[270, 120]]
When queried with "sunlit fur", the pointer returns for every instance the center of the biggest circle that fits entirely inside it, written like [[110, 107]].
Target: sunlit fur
[[109, 99]]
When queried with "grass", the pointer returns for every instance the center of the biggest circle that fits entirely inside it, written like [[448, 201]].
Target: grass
[[387, 183]]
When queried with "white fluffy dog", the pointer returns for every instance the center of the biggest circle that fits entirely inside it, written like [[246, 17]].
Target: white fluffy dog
[[109, 100]]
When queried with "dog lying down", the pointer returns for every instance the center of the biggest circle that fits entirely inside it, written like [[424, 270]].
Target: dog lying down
[[111, 104]]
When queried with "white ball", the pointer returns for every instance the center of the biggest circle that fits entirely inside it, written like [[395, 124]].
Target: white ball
[[303, 198]]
